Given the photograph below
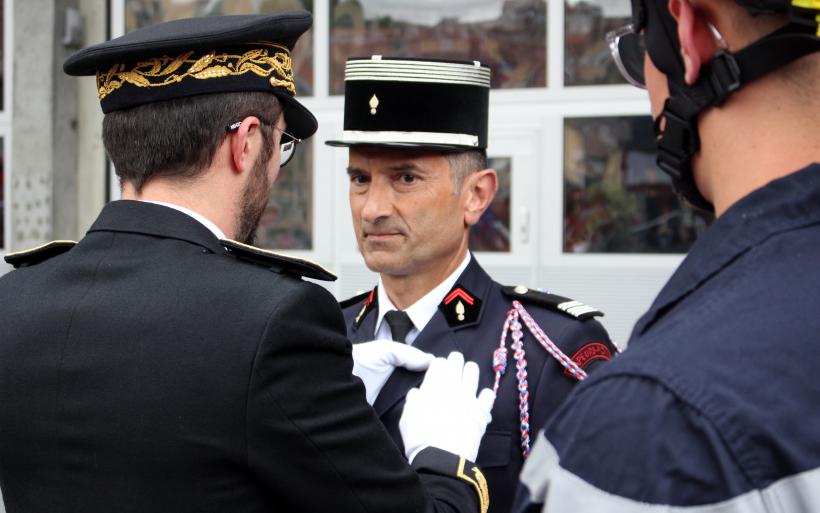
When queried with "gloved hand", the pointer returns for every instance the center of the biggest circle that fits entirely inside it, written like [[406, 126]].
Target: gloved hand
[[374, 361], [444, 411]]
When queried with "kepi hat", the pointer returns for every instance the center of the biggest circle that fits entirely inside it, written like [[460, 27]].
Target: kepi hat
[[415, 103], [188, 57]]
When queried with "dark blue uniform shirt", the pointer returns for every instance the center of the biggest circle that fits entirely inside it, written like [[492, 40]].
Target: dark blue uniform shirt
[[716, 402]]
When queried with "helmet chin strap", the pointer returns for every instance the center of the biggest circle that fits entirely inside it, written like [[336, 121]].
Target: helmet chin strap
[[676, 127]]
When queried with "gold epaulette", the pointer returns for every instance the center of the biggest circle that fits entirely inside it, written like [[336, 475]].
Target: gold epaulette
[[269, 259], [34, 256]]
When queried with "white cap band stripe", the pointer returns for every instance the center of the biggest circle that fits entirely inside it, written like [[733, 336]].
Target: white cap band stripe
[[418, 71], [358, 136], [415, 64], [382, 77], [478, 72], [394, 78], [435, 73]]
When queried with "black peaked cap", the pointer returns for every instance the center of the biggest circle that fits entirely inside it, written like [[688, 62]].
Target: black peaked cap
[[195, 38], [398, 102]]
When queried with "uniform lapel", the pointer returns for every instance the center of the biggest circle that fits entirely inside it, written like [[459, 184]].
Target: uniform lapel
[[364, 329], [438, 337]]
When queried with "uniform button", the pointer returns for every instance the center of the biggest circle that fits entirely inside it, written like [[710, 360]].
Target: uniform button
[[521, 289]]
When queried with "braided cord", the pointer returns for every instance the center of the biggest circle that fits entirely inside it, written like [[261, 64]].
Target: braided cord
[[572, 367]]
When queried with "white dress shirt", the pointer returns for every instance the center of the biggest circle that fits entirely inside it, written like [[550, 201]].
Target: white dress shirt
[[202, 219], [419, 312]]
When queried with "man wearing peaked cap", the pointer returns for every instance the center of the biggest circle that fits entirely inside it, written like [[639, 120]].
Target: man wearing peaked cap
[[417, 137], [163, 363]]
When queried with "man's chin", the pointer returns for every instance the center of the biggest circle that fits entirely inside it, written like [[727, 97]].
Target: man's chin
[[382, 262]]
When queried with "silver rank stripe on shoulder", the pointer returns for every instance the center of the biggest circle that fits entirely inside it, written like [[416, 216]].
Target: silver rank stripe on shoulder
[[576, 308]]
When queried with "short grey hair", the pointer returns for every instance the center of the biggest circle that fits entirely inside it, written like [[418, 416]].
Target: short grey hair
[[465, 163]]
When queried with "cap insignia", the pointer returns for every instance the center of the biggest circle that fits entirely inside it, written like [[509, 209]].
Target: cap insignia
[[374, 104], [272, 60]]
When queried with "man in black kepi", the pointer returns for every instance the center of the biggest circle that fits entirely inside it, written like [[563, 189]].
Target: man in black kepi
[[417, 133], [157, 365]]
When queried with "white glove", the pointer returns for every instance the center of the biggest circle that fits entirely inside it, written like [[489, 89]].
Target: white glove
[[373, 363], [444, 411]]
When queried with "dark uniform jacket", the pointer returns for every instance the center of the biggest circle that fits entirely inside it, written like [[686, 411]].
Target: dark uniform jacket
[[715, 406], [153, 368], [477, 337]]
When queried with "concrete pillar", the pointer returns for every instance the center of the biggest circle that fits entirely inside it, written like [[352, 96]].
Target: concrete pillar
[[44, 127], [91, 158]]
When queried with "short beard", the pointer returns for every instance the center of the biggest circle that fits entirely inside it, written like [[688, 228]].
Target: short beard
[[254, 201]]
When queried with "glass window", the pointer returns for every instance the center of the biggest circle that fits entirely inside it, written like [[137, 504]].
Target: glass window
[[616, 199], [492, 232], [2, 57], [140, 13], [287, 223], [508, 35], [586, 54], [2, 195]]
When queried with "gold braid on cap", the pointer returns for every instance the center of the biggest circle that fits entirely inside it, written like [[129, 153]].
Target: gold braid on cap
[[163, 71]]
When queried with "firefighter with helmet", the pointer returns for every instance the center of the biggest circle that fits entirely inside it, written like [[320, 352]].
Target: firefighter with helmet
[[713, 406]]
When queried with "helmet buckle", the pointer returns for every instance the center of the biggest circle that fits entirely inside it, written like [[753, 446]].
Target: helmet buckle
[[724, 76]]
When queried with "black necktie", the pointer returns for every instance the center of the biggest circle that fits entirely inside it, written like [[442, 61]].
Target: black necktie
[[400, 324]]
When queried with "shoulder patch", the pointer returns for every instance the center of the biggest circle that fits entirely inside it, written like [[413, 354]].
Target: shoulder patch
[[267, 258], [358, 298], [561, 304], [589, 353], [39, 254]]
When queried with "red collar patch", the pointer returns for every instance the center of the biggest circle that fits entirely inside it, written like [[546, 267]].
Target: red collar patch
[[460, 307], [365, 307], [458, 292], [589, 353]]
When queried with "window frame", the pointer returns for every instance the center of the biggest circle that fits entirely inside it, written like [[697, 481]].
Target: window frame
[[526, 125], [6, 123]]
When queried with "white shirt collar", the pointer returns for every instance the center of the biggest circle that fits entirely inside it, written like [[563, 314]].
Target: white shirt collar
[[204, 221], [422, 310]]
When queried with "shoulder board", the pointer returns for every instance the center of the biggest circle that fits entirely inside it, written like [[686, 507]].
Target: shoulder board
[[267, 258], [561, 304], [39, 254], [358, 298]]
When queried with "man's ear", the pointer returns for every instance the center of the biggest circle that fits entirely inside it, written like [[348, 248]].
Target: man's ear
[[697, 43], [480, 188], [241, 144]]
